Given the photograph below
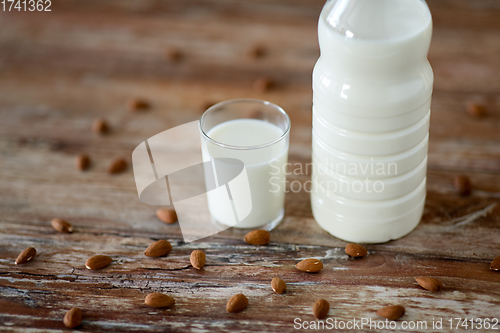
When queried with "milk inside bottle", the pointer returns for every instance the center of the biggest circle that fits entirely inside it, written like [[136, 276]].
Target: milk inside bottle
[[372, 89]]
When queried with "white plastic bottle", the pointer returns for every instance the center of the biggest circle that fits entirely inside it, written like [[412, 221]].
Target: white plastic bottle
[[372, 89]]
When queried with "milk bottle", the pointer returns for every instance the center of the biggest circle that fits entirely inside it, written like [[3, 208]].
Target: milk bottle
[[372, 89]]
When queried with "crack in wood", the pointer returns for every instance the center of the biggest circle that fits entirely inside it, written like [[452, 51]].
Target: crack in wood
[[473, 216]]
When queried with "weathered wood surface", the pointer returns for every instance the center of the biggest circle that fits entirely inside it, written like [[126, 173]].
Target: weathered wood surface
[[85, 59]]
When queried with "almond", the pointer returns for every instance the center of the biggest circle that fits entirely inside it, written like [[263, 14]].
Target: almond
[[463, 185], [26, 255], [198, 259], [476, 110], [258, 237], [98, 261], [117, 165], [429, 283], [256, 51], [158, 300], [158, 249], [62, 226], [254, 114], [263, 84], [173, 54], [138, 104], [100, 126], [356, 250], [82, 162], [237, 303], [321, 308], [310, 265], [495, 264], [73, 318], [167, 215], [278, 285], [392, 312], [207, 105]]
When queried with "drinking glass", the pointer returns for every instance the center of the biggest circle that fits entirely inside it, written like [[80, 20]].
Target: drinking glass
[[256, 133]]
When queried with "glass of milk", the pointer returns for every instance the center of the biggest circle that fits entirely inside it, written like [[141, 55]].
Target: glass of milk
[[256, 133]]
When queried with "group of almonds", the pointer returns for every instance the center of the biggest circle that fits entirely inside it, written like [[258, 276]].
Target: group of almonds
[[237, 302], [393, 312], [462, 183], [160, 248], [255, 52], [101, 127], [321, 307]]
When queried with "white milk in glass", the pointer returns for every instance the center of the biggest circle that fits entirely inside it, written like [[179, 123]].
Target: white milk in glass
[[372, 89], [264, 167]]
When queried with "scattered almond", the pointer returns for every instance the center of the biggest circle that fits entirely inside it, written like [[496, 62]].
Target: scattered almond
[[26, 255], [321, 308], [167, 215], [138, 104], [263, 84], [100, 126], [495, 264], [198, 259], [310, 265], [62, 226], [158, 249], [82, 162], [476, 110], [98, 261], [355, 250], [173, 54], [254, 114], [463, 185], [206, 105], [429, 283], [278, 285], [117, 165], [392, 312], [73, 318], [158, 300], [237, 303], [256, 51], [258, 237]]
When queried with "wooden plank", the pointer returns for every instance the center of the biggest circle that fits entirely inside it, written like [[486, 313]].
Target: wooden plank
[[57, 279], [57, 189]]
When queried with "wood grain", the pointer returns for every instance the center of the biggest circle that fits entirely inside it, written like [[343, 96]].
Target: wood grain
[[61, 70]]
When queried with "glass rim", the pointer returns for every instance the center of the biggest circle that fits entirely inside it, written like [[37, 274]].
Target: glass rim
[[245, 100]]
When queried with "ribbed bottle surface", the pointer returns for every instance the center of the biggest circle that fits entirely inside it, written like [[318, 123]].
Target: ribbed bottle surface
[[372, 89]]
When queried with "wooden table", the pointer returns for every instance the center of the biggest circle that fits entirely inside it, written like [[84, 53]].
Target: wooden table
[[62, 69]]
